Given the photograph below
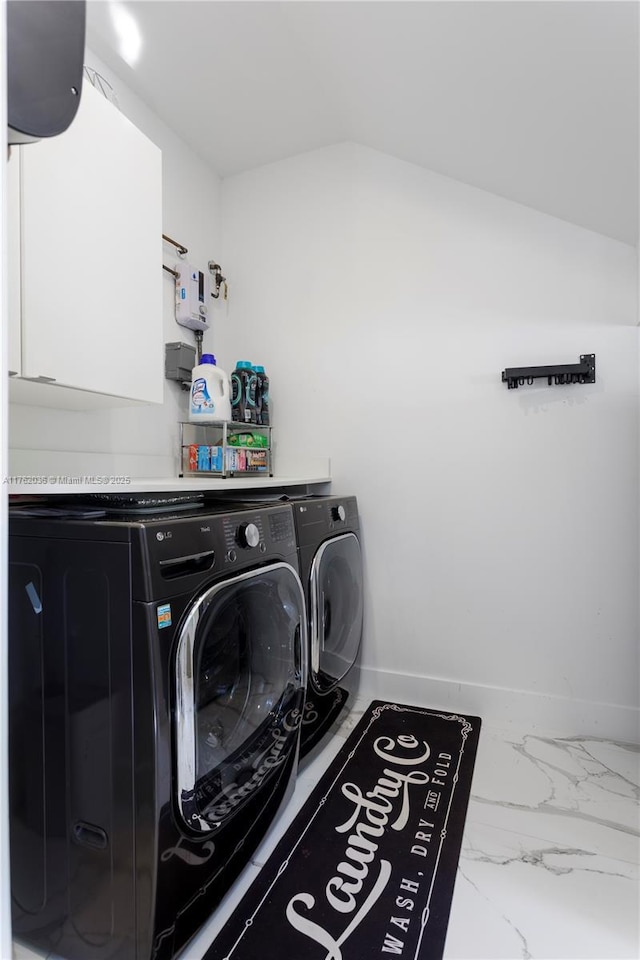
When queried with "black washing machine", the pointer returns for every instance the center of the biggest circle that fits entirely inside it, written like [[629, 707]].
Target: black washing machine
[[328, 536], [157, 675]]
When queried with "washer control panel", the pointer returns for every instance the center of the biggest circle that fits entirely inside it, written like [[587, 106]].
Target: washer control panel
[[243, 533], [265, 532], [321, 517], [248, 535], [218, 538]]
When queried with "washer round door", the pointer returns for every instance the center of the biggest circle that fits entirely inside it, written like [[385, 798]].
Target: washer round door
[[240, 675], [336, 610]]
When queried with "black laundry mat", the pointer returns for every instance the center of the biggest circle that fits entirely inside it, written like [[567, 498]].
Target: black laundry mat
[[367, 867]]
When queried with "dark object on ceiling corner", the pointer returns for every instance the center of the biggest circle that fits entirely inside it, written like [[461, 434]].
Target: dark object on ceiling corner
[[45, 56], [559, 373]]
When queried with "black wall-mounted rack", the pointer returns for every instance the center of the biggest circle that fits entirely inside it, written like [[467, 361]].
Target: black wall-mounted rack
[[583, 372]]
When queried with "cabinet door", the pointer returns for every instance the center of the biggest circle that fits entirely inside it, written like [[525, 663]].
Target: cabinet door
[[92, 256], [13, 259]]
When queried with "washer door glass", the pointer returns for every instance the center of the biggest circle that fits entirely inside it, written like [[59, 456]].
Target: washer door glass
[[336, 610], [240, 677]]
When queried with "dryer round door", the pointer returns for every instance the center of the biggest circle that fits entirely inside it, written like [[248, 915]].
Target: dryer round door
[[240, 673], [336, 610]]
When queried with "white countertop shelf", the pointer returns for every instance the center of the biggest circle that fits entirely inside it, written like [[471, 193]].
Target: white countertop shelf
[[49, 486]]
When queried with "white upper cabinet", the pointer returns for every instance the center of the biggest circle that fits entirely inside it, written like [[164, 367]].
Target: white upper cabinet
[[91, 257]]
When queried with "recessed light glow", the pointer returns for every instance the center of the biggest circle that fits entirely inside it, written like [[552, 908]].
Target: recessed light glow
[[127, 31]]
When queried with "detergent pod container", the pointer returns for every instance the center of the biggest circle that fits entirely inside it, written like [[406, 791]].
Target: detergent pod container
[[243, 392], [210, 398], [263, 415]]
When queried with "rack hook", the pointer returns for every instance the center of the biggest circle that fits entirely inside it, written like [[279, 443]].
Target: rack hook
[[182, 251]]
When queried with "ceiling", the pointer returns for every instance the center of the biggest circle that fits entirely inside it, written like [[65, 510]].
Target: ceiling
[[534, 101]]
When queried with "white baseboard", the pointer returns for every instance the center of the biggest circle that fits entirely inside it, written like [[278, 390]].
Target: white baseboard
[[541, 714]]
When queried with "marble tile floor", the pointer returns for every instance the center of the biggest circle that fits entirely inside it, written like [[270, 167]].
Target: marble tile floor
[[549, 866]]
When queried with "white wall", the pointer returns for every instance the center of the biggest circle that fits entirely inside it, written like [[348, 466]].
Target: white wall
[[500, 527], [135, 440]]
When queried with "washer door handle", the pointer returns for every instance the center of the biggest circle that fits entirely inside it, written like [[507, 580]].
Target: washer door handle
[[297, 652], [323, 632]]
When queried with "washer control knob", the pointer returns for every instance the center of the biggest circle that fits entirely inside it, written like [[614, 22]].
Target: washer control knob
[[248, 535], [338, 513]]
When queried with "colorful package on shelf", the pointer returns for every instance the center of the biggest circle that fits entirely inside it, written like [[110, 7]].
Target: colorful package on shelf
[[236, 459], [257, 460], [248, 440], [217, 459], [205, 458]]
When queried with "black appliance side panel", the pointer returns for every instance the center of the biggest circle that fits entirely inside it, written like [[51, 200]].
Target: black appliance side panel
[[70, 747]]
